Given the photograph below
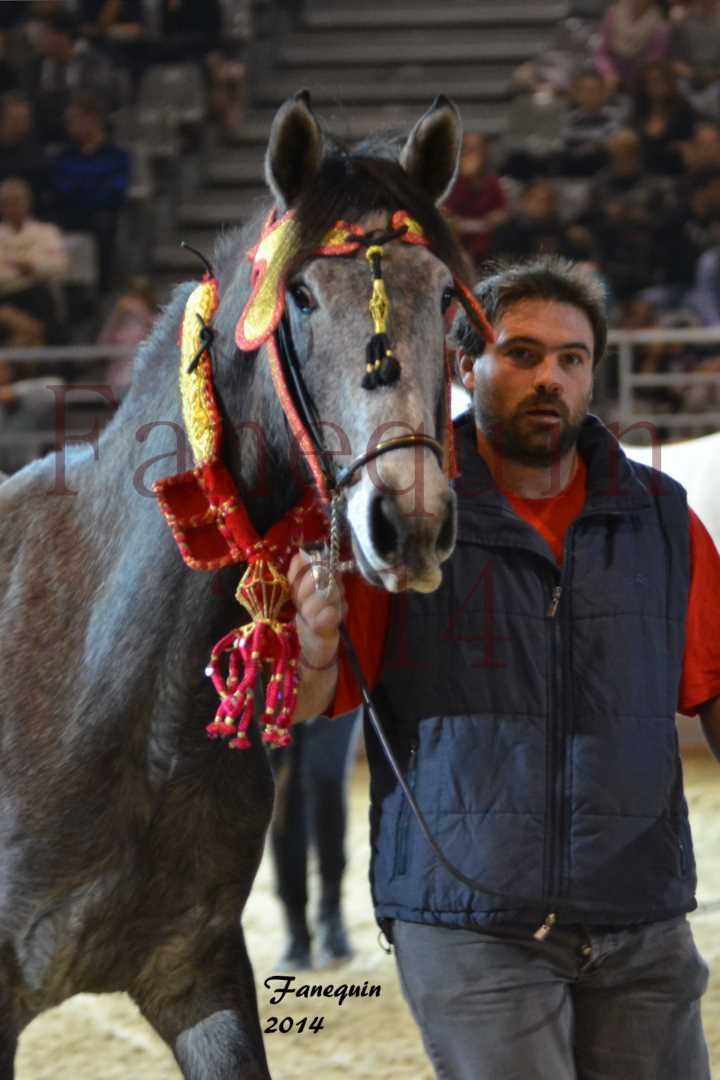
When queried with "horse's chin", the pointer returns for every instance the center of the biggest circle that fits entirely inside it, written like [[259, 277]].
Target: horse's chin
[[397, 579]]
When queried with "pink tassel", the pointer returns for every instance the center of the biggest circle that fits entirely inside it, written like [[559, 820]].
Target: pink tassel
[[247, 649]]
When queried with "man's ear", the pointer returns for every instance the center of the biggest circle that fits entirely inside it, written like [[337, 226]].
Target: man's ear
[[466, 369]]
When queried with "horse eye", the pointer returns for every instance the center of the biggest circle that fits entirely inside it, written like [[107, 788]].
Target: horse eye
[[448, 296], [302, 298]]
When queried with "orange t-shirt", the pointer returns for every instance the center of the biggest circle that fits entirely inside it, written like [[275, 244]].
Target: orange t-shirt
[[369, 608]]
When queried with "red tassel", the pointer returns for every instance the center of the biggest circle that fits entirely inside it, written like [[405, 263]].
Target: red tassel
[[248, 648]]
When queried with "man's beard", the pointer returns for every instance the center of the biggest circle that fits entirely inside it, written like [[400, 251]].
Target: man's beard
[[509, 436]]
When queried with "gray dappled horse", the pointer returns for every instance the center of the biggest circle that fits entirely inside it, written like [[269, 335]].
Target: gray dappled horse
[[129, 841]]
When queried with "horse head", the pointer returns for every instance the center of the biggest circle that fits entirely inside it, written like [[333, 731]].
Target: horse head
[[338, 207]]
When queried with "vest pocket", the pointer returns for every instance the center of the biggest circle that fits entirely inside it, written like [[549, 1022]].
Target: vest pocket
[[403, 819]]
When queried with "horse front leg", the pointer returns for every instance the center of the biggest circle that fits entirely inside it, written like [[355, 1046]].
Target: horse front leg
[[213, 1028]]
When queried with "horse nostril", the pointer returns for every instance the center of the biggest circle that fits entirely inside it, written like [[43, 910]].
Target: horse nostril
[[383, 532]]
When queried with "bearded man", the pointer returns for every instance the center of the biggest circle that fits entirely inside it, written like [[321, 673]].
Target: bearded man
[[531, 701]]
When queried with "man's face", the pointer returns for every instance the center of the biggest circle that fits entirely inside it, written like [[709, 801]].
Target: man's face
[[16, 121], [539, 201], [79, 125], [532, 388], [474, 155], [590, 93], [14, 206]]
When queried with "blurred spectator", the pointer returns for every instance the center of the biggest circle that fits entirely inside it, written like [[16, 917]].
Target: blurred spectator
[[706, 294], [32, 256], [695, 43], [685, 231], [89, 181], [588, 127], [130, 321], [633, 33], [20, 154], [112, 20], [533, 133], [477, 204], [19, 330], [702, 151], [67, 65], [654, 359], [663, 117], [622, 212], [118, 27], [537, 229]]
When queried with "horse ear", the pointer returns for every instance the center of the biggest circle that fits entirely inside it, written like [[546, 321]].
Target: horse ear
[[432, 152], [295, 150]]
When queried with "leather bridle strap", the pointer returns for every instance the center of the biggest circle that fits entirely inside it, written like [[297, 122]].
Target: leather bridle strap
[[336, 481], [345, 475]]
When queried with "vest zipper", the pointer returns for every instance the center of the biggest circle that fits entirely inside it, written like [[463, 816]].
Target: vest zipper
[[404, 814], [553, 753]]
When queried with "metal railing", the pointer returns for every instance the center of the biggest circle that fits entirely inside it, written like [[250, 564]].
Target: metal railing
[[628, 412], [629, 380], [32, 441]]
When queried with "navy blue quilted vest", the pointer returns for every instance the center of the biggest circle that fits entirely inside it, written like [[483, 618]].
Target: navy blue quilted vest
[[532, 708]]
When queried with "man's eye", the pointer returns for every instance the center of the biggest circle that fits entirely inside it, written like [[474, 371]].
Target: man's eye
[[522, 356], [573, 359]]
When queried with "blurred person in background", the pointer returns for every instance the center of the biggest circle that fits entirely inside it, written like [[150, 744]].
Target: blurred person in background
[[89, 181], [129, 323], [109, 21], [633, 33], [21, 155], [639, 313], [695, 44], [66, 65], [588, 127], [477, 204], [536, 228], [311, 780], [684, 232], [702, 151], [32, 258], [622, 212], [118, 27], [664, 118]]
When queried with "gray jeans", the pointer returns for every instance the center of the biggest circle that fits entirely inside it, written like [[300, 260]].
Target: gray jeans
[[581, 1005]]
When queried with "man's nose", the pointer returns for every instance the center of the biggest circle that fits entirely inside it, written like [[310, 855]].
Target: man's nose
[[548, 375]]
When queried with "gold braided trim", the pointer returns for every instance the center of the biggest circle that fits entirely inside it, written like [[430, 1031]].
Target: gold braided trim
[[202, 421]]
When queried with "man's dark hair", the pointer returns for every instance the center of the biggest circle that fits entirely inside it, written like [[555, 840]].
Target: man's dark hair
[[543, 278]]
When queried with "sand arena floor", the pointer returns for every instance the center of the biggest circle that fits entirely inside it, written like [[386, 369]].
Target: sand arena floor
[[105, 1038]]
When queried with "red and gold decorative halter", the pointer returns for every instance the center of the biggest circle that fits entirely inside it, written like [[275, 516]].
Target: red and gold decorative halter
[[203, 506]]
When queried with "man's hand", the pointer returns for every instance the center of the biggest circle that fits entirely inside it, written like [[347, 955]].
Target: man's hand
[[319, 614]]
